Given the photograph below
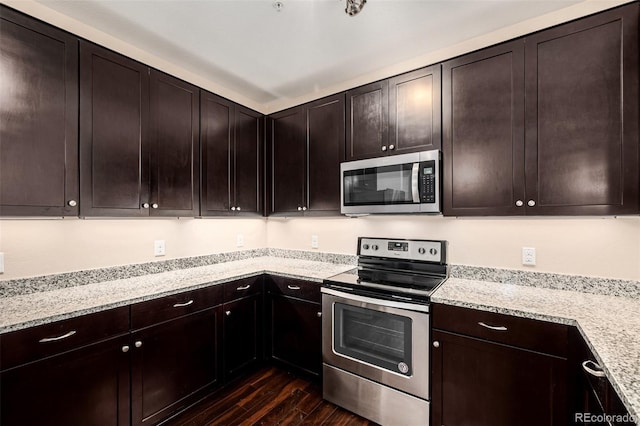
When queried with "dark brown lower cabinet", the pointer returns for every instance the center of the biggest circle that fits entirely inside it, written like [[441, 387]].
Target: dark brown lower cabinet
[[173, 364], [476, 382], [242, 325], [86, 386]]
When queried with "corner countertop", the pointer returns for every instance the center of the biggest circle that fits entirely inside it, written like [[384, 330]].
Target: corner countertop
[[609, 324], [19, 312]]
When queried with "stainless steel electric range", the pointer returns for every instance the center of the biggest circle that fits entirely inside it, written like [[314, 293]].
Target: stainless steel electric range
[[375, 330]]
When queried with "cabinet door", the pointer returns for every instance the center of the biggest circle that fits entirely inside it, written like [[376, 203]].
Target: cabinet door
[[216, 133], [87, 386], [367, 121], [476, 382], [483, 132], [174, 364], [296, 333], [175, 157], [39, 116], [247, 161], [114, 114], [242, 335], [325, 151], [415, 110], [582, 116], [287, 162]]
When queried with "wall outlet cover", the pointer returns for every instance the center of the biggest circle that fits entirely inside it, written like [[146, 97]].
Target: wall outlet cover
[[314, 241], [159, 248], [240, 240], [529, 256]]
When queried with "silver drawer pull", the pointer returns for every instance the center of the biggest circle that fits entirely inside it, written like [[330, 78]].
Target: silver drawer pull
[[244, 287], [597, 372], [182, 305], [493, 327], [55, 339], [293, 287]]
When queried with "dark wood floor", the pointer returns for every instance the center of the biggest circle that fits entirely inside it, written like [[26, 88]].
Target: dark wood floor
[[269, 397]]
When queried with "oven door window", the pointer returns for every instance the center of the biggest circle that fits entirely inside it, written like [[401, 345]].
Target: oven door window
[[378, 185], [377, 338]]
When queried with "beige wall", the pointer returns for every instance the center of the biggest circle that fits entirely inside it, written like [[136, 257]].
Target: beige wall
[[39, 247], [603, 247]]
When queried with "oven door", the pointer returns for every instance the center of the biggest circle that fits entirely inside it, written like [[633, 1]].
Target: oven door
[[383, 341]]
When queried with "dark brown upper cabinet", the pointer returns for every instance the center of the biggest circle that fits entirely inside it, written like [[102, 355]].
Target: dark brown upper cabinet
[[114, 142], [138, 139], [231, 143], [174, 154], [395, 116], [39, 115], [306, 148], [483, 132], [546, 125]]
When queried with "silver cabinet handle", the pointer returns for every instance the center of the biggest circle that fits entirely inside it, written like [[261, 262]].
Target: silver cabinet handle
[[145, 205], [138, 343], [384, 147], [227, 313], [519, 203], [319, 314], [154, 205], [436, 344], [72, 203], [304, 208], [597, 372], [55, 339], [125, 348], [392, 147], [238, 208], [493, 327], [293, 287], [245, 287], [182, 305], [531, 203], [233, 209], [299, 208]]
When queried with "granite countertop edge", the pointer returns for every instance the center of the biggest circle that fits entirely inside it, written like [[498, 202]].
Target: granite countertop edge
[[620, 362]]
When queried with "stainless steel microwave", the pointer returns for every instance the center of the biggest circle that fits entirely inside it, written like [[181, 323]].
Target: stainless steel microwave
[[406, 183]]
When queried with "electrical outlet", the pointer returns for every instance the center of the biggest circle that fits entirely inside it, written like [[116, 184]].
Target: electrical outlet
[[314, 241], [1, 263], [239, 240], [529, 256], [159, 248]]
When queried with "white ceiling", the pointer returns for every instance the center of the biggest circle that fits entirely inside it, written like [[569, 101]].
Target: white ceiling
[[252, 49]]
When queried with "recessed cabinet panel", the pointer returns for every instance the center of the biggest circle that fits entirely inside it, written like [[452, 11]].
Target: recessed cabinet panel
[[415, 111], [39, 102], [582, 116], [174, 147], [216, 132], [367, 121], [483, 109], [325, 151], [247, 161], [114, 105]]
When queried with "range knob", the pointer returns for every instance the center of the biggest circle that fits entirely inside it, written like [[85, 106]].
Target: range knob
[[433, 252], [365, 246], [421, 250], [374, 247]]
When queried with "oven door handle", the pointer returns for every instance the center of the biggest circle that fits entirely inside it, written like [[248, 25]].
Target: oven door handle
[[415, 174], [373, 301]]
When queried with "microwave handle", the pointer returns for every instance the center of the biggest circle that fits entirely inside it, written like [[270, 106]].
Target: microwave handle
[[415, 192]]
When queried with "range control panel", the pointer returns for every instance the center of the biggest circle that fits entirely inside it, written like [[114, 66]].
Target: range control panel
[[423, 250]]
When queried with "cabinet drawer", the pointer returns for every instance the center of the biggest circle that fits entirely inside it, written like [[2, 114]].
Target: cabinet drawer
[[242, 288], [147, 313], [525, 333], [302, 289], [22, 346]]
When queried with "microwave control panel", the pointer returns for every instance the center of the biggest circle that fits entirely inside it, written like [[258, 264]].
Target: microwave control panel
[[428, 181]]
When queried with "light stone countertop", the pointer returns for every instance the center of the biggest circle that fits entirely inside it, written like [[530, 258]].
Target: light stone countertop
[[609, 324], [33, 309]]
